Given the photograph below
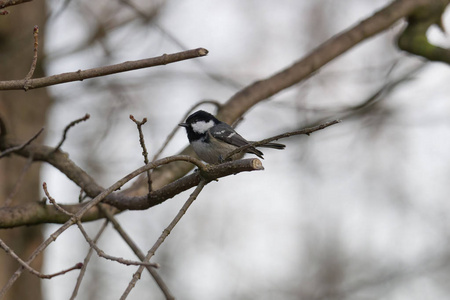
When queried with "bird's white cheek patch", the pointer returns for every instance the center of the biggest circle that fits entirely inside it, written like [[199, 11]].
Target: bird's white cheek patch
[[202, 126]]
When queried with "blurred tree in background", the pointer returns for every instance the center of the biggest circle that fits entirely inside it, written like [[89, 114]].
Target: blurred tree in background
[[355, 211], [23, 114]]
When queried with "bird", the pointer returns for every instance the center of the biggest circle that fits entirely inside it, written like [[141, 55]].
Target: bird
[[213, 139]]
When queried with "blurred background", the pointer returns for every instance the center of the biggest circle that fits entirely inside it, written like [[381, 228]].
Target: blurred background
[[359, 210]]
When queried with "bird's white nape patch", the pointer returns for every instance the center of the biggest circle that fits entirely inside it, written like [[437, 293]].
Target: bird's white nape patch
[[202, 126]]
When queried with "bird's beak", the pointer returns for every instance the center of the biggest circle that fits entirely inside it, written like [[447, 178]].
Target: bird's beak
[[184, 125]]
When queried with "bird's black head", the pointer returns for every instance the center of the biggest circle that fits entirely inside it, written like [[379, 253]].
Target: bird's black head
[[198, 124]]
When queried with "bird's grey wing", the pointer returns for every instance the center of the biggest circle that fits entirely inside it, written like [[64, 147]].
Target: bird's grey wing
[[225, 133]]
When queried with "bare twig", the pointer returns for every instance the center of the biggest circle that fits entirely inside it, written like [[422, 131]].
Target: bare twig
[[52, 201], [20, 147], [101, 253], [159, 281], [103, 71], [177, 218], [86, 261], [174, 130], [75, 267], [11, 253], [144, 149], [164, 235], [71, 124], [306, 131], [35, 56]]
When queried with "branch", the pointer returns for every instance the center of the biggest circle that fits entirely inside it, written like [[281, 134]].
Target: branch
[[164, 235], [318, 57], [18, 148], [58, 159], [86, 261], [159, 281], [101, 253], [38, 213], [71, 124], [306, 131], [33, 271], [35, 56], [144, 148], [101, 71]]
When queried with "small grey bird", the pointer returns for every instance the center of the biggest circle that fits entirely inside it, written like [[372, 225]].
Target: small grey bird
[[212, 139]]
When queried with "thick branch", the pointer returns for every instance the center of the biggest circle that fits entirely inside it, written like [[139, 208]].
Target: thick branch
[[101, 71], [238, 104], [38, 212], [58, 159]]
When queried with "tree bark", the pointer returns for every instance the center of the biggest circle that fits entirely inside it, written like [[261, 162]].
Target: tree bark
[[23, 113]]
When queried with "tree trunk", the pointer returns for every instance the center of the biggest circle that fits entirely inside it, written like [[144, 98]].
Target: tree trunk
[[23, 113]]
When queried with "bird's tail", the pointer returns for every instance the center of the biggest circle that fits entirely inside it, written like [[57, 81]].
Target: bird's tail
[[268, 145], [273, 146]]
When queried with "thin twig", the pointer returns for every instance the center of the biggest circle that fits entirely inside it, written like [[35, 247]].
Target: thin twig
[[53, 201], [101, 253], [11, 253], [159, 281], [174, 130], [20, 147], [35, 55], [71, 124], [177, 218], [102, 71], [87, 259], [306, 131], [164, 235], [144, 149]]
